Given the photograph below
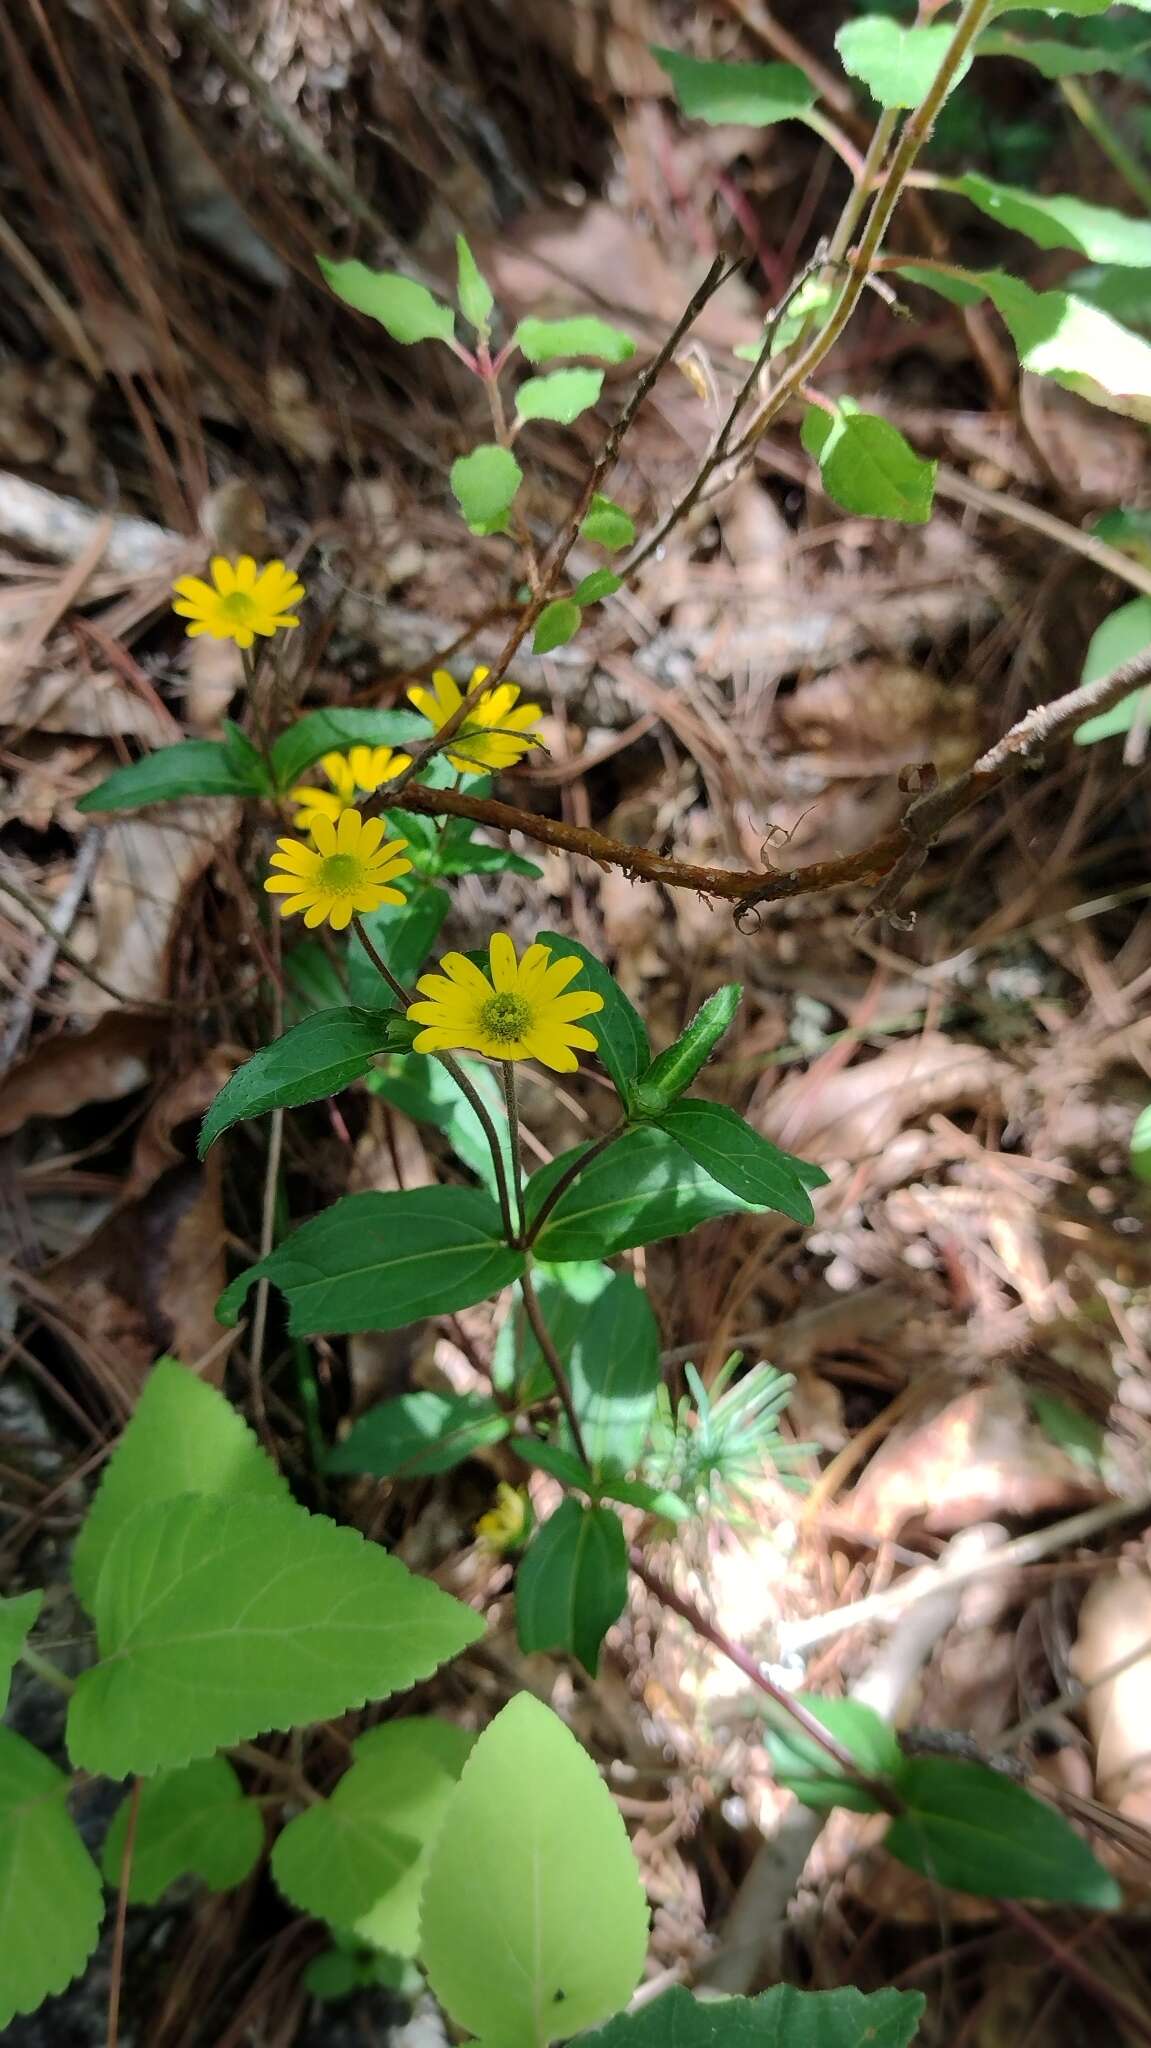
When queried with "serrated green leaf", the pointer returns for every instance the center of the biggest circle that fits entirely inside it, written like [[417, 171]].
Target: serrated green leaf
[[403, 934], [332, 732], [377, 1261], [358, 1858], [542, 341], [1123, 634], [572, 1584], [978, 1831], [17, 1620], [594, 588], [558, 623], [534, 1922], [1060, 221], [193, 1822], [643, 1188], [867, 466], [425, 1091], [897, 65], [624, 1050], [484, 485], [607, 524], [1141, 1145], [51, 1898], [751, 95], [1053, 58], [727, 1148], [406, 309], [1057, 335], [473, 291], [190, 768], [562, 395], [613, 1368], [184, 1437], [959, 290], [566, 1295], [419, 1433], [780, 2018], [676, 1068], [802, 1767], [217, 1620], [315, 1059]]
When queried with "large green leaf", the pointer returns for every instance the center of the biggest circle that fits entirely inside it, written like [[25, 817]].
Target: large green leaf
[[1053, 58], [218, 1619], [572, 1584], [803, 1767], [561, 395], [17, 1619], [1058, 335], [897, 65], [419, 1433], [193, 1822], [751, 95], [613, 1367], [624, 1050], [403, 934], [424, 1090], [675, 1069], [1123, 634], [51, 1898], [484, 484], [1079, 7], [534, 1922], [780, 2018], [374, 1262], [183, 1437], [315, 1059], [643, 1188], [542, 341], [977, 1831], [867, 466], [1060, 221], [566, 1295], [190, 768], [333, 732], [727, 1148], [1125, 294], [358, 1859], [406, 309]]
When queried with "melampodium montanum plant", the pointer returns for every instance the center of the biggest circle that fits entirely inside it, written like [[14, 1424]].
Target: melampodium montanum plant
[[221, 1607]]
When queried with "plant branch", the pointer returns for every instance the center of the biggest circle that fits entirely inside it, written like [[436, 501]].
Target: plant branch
[[571, 1173], [508, 1076], [116, 1974], [555, 1364]]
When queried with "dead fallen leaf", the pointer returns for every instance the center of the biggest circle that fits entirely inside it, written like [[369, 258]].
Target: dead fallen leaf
[[147, 867], [856, 1114], [111, 1060], [1115, 1624]]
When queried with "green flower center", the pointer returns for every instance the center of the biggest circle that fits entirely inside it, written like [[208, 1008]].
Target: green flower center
[[237, 608], [341, 873], [505, 1018]]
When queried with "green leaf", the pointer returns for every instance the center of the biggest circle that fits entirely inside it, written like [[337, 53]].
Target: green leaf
[[475, 857], [184, 1437], [419, 1433], [51, 1898], [1124, 294], [867, 466], [1079, 1435], [780, 2018], [563, 1465], [977, 1831], [332, 732], [190, 768], [534, 1922], [558, 623], [17, 1620], [425, 1091], [643, 1188], [375, 1261], [897, 65], [484, 484], [624, 1050], [636, 1493], [245, 756], [566, 1296], [313, 1060], [738, 1158], [193, 1822], [1080, 7], [594, 588], [607, 523], [358, 1859], [314, 981], [405, 308], [959, 290], [614, 1371], [403, 934], [752, 95], [1054, 59], [1057, 335], [676, 1069], [218, 1619], [1141, 1145], [1123, 634], [473, 291], [541, 341], [562, 395], [572, 1583], [1060, 221], [802, 1767]]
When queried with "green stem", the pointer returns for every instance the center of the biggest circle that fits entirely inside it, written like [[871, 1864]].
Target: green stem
[[555, 1364], [43, 1668], [508, 1072], [569, 1174], [1106, 139]]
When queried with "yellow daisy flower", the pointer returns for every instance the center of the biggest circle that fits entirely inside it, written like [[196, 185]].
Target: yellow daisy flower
[[351, 867], [240, 601], [520, 1013], [495, 732], [362, 768], [503, 1527]]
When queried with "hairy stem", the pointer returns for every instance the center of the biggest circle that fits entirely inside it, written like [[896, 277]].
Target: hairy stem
[[555, 1364], [572, 1173], [508, 1076]]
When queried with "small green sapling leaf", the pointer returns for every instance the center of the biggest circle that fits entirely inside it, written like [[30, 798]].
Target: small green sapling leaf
[[562, 395], [192, 1822], [484, 485], [558, 623], [51, 1898], [897, 65], [750, 95], [17, 1620], [572, 1583], [543, 341], [867, 466], [473, 290], [406, 309], [594, 588], [607, 524]]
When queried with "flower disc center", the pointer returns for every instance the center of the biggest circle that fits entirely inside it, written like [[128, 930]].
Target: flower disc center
[[341, 873], [237, 608], [505, 1018]]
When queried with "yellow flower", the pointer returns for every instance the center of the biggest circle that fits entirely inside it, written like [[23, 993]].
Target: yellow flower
[[521, 1013], [366, 768], [351, 867], [495, 732], [503, 1527], [240, 601]]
